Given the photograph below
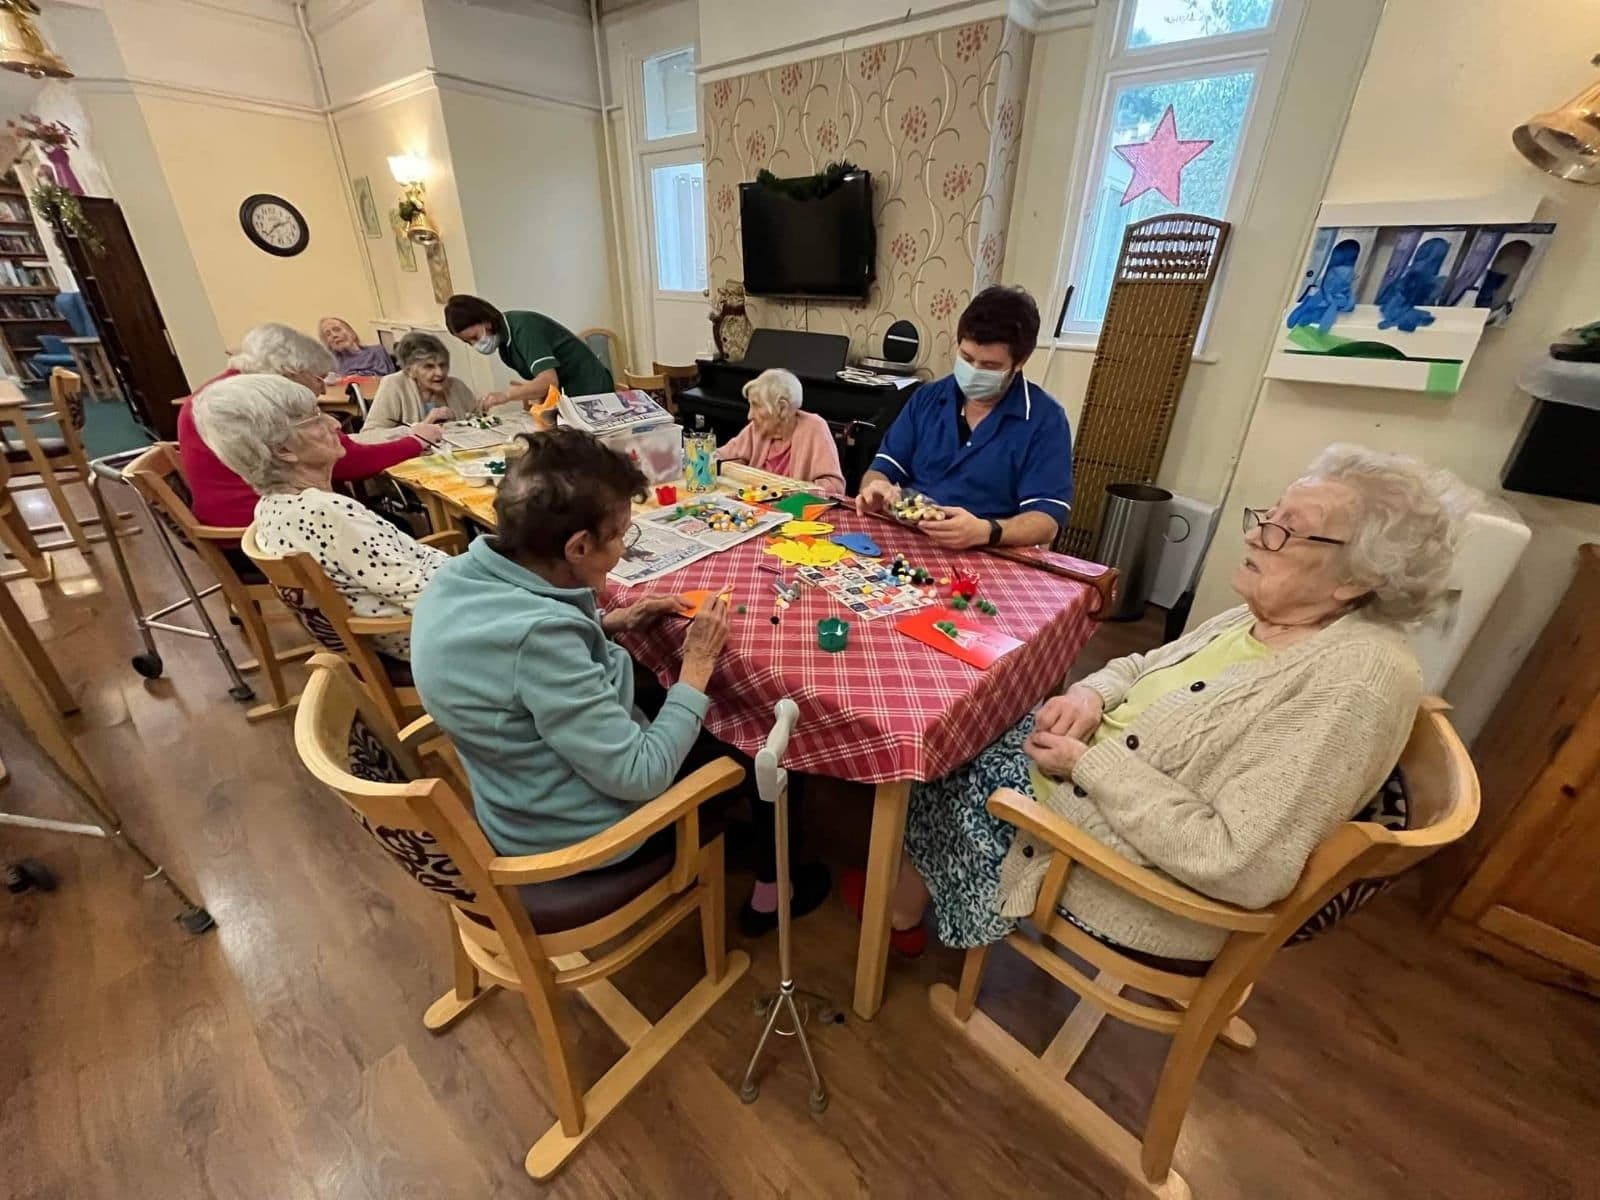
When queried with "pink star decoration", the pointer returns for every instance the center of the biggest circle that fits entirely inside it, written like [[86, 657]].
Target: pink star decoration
[[1159, 162]]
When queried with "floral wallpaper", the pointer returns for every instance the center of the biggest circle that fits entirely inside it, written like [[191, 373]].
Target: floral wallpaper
[[937, 119]]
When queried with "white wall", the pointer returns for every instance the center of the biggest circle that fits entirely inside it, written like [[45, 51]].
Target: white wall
[[367, 45], [1323, 69], [529, 176], [1425, 125], [540, 52]]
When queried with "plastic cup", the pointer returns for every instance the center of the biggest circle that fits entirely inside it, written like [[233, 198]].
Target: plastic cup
[[666, 494], [833, 634]]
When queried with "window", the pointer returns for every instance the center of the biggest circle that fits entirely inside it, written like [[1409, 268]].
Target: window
[[1172, 133], [669, 95], [678, 203]]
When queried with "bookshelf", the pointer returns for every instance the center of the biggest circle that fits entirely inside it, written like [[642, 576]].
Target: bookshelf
[[27, 284]]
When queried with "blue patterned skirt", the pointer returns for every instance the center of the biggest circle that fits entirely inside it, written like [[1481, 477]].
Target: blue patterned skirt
[[958, 847]]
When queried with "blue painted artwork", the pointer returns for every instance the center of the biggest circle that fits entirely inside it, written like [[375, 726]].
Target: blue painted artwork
[[1420, 283]]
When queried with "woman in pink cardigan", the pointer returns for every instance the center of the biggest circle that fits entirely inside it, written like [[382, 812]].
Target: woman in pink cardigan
[[782, 439]]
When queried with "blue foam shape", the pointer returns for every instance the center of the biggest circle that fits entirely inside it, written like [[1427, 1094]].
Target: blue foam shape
[[857, 543]]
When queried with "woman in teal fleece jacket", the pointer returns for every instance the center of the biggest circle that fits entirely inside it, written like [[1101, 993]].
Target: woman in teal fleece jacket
[[515, 662]]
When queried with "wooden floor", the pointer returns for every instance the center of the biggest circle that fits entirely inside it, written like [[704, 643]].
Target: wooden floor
[[283, 1055]]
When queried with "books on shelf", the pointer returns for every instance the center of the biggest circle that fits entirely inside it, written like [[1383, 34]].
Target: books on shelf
[[612, 412], [14, 274]]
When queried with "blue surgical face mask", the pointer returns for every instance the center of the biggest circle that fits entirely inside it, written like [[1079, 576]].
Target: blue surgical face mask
[[979, 384], [487, 344]]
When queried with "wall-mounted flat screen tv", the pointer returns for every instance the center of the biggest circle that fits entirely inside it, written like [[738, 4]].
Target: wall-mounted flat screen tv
[[824, 246]]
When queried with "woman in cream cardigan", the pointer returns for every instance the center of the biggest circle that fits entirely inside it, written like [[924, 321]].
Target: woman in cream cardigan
[[421, 390], [1224, 758]]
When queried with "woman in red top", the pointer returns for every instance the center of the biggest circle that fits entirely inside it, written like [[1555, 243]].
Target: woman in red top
[[221, 498]]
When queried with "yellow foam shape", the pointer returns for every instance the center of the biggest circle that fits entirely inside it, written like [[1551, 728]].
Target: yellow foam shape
[[817, 554], [796, 529]]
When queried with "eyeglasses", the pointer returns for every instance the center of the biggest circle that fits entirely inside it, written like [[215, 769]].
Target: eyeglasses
[[1274, 536], [631, 538], [316, 416]]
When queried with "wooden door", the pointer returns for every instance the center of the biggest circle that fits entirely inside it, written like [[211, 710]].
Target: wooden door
[[127, 317]]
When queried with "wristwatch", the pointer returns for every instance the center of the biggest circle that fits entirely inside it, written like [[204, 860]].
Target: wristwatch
[[994, 532]]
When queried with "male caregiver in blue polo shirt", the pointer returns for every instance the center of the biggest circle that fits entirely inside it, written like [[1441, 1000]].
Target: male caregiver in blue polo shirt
[[992, 450]]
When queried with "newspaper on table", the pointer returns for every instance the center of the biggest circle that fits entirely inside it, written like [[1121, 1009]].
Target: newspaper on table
[[612, 412], [479, 433], [670, 538]]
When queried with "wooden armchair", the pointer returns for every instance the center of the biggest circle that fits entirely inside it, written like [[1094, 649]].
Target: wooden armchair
[[54, 461], [606, 345], [17, 537], [305, 590], [524, 923], [157, 475], [1441, 790], [676, 380]]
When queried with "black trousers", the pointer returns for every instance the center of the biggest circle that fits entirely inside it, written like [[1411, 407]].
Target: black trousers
[[649, 696]]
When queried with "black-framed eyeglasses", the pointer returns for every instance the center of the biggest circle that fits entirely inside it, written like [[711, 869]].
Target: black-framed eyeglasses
[[630, 539], [1275, 536]]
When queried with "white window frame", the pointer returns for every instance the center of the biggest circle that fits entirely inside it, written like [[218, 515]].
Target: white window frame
[[1115, 67], [649, 160], [641, 131]]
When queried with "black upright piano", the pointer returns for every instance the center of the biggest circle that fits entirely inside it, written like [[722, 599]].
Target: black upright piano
[[857, 413]]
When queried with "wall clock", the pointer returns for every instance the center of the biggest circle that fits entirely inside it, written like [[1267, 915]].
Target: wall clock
[[274, 224]]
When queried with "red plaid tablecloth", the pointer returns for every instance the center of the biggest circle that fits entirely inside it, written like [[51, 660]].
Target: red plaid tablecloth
[[888, 707]]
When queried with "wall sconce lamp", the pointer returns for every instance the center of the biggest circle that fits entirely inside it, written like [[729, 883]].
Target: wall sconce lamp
[[22, 48], [408, 171], [1565, 141]]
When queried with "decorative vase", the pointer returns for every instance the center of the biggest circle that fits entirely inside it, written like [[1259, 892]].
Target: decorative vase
[[62, 164], [730, 326]]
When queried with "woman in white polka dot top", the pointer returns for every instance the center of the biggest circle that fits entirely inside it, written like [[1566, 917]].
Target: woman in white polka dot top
[[270, 432]]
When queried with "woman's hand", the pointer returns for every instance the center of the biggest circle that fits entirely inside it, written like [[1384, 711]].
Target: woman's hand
[[703, 642], [492, 400], [642, 612], [1055, 753], [427, 433], [438, 416], [1076, 713]]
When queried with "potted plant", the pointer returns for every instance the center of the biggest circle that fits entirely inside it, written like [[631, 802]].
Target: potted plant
[[54, 141]]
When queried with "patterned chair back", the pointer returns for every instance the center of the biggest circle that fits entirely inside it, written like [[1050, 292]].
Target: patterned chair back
[[341, 739], [66, 390], [158, 476], [288, 581]]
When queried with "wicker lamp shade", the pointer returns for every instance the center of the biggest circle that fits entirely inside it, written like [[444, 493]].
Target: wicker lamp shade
[[1164, 278]]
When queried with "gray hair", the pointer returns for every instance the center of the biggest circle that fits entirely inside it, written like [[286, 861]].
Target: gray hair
[[775, 392], [418, 346], [247, 420], [1407, 526], [274, 349]]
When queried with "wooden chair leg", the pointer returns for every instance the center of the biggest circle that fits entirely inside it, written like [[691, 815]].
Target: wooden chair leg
[[466, 994], [19, 541], [972, 968], [1185, 1057], [544, 1005], [11, 616], [1082, 1023], [551, 1151], [260, 639], [713, 909], [1237, 1034]]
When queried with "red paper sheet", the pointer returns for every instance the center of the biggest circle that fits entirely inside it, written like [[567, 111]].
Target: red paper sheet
[[977, 643]]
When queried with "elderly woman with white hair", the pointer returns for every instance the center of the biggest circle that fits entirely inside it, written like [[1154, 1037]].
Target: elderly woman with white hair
[[270, 431], [218, 496], [421, 390], [782, 439], [1222, 759]]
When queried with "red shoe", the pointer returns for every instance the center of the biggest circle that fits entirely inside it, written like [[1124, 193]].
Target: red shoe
[[853, 891]]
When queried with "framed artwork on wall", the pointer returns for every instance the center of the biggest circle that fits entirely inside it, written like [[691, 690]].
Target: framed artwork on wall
[[366, 207], [404, 250], [439, 272]]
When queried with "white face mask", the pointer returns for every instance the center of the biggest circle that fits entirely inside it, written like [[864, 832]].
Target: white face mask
[[487, 344], [979, 384]]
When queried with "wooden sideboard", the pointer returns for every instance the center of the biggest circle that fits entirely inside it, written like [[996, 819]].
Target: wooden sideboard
[[1525, 888]]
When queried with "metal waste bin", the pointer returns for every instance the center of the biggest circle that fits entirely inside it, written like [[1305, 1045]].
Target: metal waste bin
[[1131, 531]]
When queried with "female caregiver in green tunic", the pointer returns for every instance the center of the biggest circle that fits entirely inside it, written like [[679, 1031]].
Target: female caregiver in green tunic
[[542, 351]]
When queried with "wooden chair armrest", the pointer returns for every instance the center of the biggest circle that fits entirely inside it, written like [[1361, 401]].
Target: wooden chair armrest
[[371, 626], [677, 802], [1066, 838], [217, 533], [451, 541], [423, 729]]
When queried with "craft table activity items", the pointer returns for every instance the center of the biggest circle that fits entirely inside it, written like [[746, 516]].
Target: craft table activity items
[[666, 539]]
